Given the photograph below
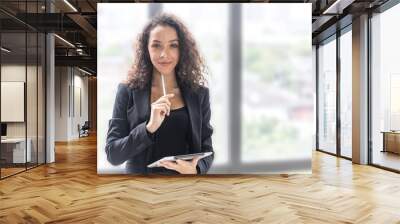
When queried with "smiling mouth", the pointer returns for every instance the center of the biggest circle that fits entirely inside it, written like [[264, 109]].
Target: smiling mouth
[[164, 63]]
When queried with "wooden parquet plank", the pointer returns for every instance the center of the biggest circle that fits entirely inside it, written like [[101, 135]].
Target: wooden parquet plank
[[70, 191]]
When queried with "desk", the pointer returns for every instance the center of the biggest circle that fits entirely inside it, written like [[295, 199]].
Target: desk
[[391, 141], [13, 150]]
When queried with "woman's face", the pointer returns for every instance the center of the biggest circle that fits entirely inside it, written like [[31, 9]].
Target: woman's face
[[163, 48]]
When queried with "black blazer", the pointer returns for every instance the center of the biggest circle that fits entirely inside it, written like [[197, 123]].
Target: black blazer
[[128, 140]]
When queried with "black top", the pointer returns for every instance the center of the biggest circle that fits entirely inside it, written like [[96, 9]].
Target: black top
[[171, 138]]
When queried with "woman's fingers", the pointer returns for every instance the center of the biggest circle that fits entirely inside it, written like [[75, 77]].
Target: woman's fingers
[[159, 109], [187, 167], [181, 166], [182, 162], [170, 165], [195, 160], [165, 99], [164, 106], [169, 95], [167, 107]]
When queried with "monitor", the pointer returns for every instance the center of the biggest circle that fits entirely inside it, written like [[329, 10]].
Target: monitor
[[3, 129]]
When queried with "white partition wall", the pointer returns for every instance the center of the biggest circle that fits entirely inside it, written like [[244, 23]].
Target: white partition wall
[[12, 101]]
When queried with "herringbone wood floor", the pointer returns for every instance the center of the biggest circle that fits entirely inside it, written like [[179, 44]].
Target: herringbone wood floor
[[70, 191]]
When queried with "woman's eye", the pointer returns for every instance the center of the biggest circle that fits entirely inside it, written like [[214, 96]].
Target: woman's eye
[[155, 45], [174, 45]]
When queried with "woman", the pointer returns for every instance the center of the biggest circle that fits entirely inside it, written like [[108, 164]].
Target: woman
[[150, 122]]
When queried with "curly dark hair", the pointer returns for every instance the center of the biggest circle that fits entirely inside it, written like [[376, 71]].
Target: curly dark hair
[[190, 70]]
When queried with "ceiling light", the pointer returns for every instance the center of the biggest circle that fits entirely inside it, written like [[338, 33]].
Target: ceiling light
[[64, 40], [70, 5], [338, 6], [5, 50], [86, 72]]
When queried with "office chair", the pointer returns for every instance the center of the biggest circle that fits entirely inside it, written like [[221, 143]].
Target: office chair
[[84, 130]]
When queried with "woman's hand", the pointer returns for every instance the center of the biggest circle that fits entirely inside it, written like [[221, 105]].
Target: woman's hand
[[159, 109], [182, 166]]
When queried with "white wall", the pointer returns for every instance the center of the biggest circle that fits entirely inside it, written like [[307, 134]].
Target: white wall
[[16, 73], [80, 109], [61, 103], [33, 126], [70, 83]]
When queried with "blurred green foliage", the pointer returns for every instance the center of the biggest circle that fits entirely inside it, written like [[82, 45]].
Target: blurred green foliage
[[264, 134]]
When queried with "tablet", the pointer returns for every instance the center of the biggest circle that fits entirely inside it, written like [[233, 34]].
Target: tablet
[[181, 157]]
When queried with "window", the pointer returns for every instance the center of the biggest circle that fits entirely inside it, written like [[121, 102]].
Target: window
[[213, 45], [346, 94], [115, 56], [385, 114], [278, 88], [327, 96]]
